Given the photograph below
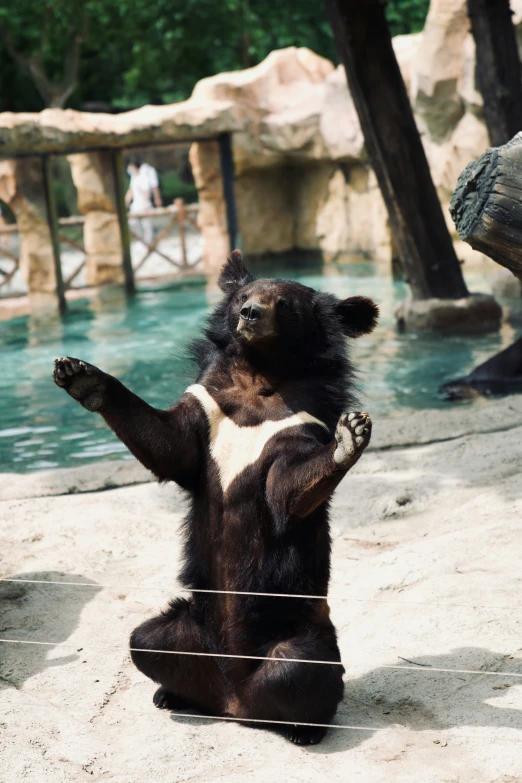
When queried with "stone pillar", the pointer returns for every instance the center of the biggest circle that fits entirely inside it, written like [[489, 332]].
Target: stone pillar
[[22, 188], [212, 218], [93, 176]]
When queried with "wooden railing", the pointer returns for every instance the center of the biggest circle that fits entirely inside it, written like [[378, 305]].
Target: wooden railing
[[179, 215]]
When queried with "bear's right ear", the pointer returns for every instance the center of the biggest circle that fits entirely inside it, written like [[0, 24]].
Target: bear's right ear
[[358, 315], [233, 274]]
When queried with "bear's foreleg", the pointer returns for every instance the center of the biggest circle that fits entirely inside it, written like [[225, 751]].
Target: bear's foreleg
[[301, 481], [165, 442]]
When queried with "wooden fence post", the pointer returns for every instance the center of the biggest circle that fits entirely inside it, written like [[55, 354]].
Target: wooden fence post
[[182, 216], [120, 189], [227, 173], [52, 221]]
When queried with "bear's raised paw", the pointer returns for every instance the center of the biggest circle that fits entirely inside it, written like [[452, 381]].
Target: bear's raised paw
[[352, 435], [81, 380]]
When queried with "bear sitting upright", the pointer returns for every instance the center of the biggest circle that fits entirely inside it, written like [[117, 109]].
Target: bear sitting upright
[[259, 442]]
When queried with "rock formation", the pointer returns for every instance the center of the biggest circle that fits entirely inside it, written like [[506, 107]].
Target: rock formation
[[303, 182], [22, 188]]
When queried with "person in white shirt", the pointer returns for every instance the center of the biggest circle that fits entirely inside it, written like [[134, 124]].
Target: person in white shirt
[[142, 194]]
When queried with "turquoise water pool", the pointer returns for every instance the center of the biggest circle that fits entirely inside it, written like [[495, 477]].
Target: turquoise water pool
[[142, 342]]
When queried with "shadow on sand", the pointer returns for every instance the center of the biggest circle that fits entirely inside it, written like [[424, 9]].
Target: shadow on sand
[[421, 700], [40, 613]]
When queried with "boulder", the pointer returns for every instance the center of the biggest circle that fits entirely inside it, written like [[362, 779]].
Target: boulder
[[477, 314]]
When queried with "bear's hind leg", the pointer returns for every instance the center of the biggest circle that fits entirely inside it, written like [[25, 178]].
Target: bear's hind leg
[[291, 691], [187, 681]]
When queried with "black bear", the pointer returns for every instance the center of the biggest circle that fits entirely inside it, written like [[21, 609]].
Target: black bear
[[259, 443]]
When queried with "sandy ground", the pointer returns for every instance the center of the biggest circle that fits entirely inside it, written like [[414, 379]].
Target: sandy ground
[[427, 531]]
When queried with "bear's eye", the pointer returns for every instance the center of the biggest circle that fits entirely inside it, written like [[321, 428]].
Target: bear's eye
[[282, 303], [244, 297]]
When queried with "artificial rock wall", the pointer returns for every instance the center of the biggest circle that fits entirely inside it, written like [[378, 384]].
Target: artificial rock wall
[[303, 182], [302, 178]]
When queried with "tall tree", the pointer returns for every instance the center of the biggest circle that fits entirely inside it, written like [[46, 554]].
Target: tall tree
[[31, 47], [498, 71], [395, 149], [151, 51]]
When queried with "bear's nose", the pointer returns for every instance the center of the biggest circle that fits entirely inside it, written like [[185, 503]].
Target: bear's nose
[[251, 312]]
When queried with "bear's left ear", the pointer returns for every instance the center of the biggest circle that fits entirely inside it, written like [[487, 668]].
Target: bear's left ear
[[233, 274], [358, 315]]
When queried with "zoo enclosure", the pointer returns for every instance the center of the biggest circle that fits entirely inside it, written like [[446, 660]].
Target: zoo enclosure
[[178, 215]]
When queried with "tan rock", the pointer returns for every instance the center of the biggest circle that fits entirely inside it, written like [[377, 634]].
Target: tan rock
[[102, 241], [438, 68], [21, 187], [477, 314], [212, 219], [406, 51], [352, 222], [265, 211], [468, 140], [93, 177], [466, 85], [332, 219], [66, 130], [310, 186], [339, 127]]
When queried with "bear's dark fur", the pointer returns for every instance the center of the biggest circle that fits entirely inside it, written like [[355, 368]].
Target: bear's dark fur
[[259, 443]]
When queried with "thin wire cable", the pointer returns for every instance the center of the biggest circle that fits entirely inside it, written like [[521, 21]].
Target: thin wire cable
[[373, 729], [417, 668], [331, 597]]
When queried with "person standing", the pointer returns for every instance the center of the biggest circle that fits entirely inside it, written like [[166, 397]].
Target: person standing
[[142, 195]]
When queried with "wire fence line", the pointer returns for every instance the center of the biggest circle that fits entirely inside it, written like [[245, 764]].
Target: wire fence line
[[396, 667], [445, 733], [330, 597], [416, 668]]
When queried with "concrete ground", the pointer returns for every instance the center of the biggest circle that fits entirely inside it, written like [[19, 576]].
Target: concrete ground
[[427, 545]]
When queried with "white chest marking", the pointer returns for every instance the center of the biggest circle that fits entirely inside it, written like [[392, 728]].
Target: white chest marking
[[234, 448]]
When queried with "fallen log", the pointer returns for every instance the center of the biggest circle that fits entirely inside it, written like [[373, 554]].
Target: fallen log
[[498, 376], [486, 206]]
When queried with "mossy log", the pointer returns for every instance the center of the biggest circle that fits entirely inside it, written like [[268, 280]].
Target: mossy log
[[486, 206]]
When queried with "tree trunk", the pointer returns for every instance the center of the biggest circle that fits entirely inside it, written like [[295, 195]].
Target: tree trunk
[[395, 149], [486, 205], [498, 72], [54, 94]]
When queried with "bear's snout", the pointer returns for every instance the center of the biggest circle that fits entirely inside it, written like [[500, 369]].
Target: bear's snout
[[257, 320], [251, 311]]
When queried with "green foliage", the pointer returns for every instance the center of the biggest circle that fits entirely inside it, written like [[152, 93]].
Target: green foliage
[[406, 16], [172, 186], [139, 51]]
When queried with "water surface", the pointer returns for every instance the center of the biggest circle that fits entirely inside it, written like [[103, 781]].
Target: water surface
[[142, 341]]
